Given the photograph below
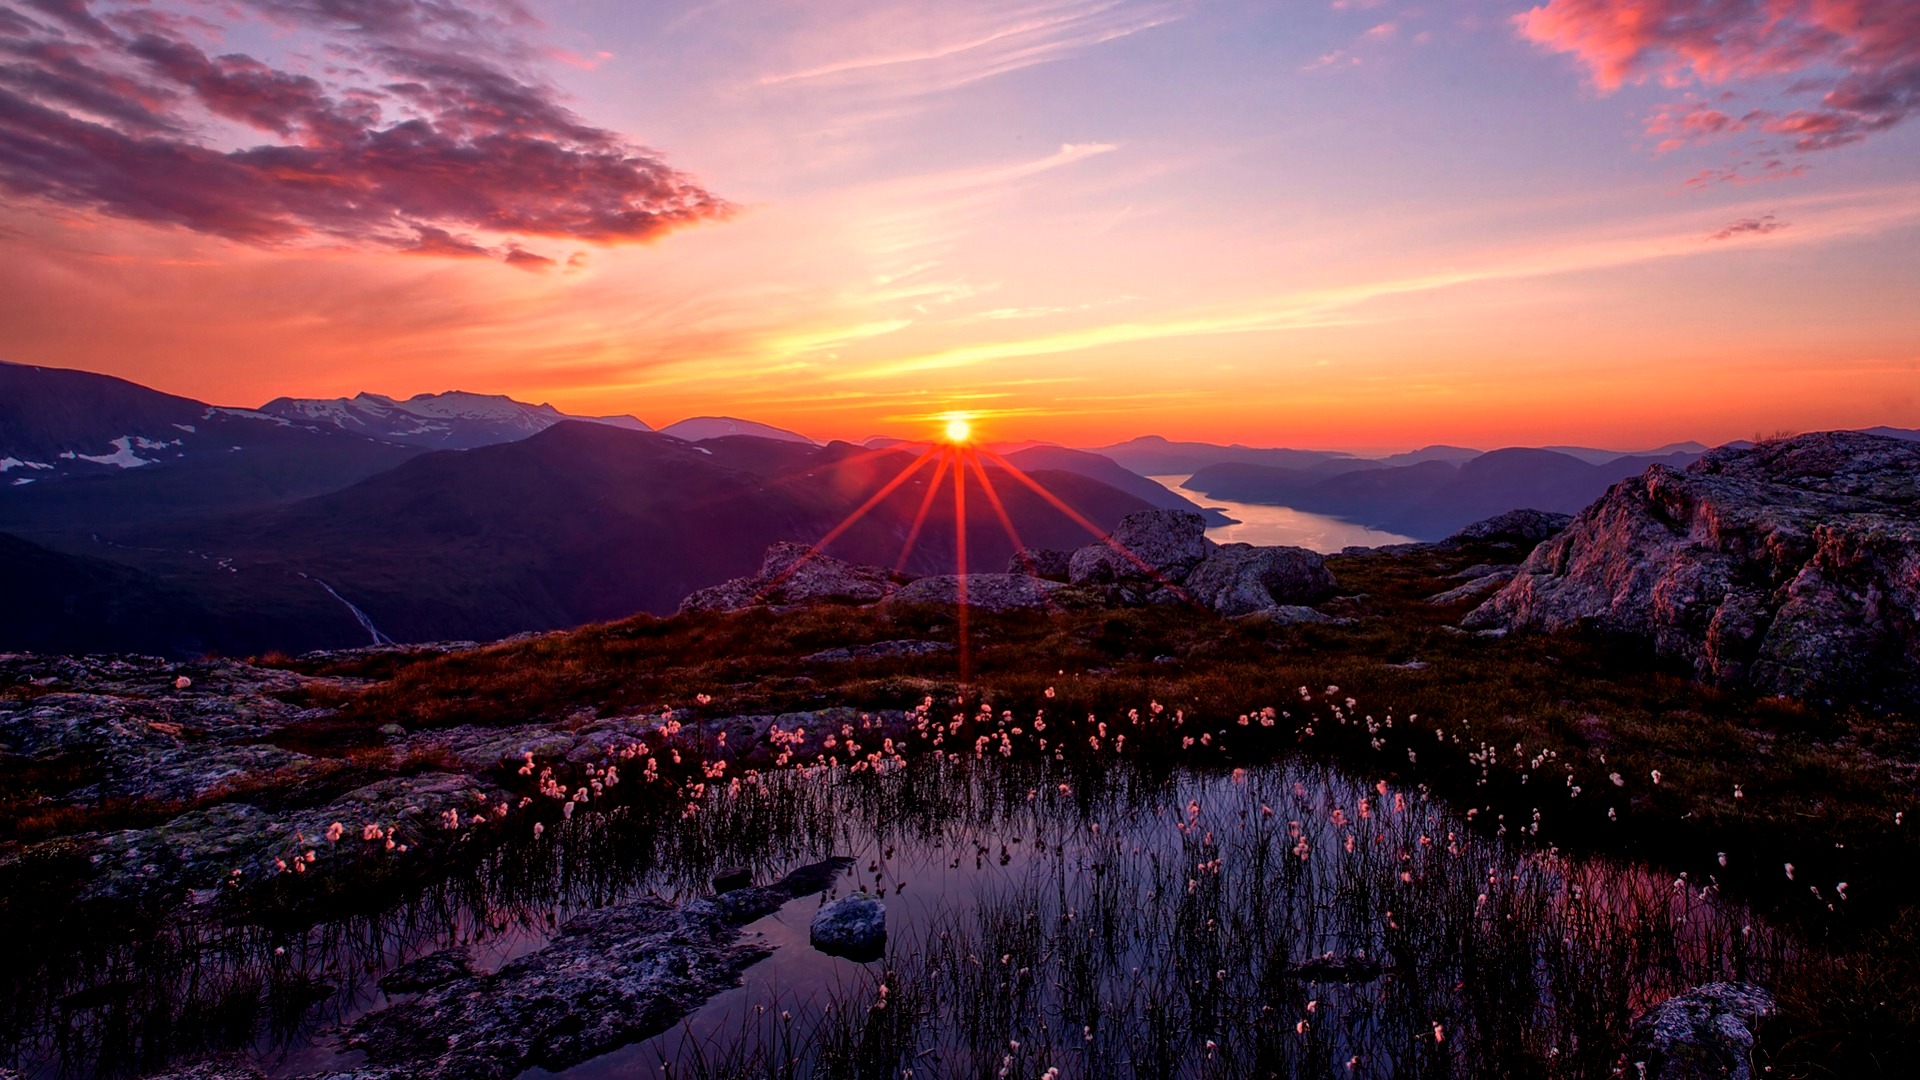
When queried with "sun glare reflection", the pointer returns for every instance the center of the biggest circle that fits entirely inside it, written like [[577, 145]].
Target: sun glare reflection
[[954, 457]]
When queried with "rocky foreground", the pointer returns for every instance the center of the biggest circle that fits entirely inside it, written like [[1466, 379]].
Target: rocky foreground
[[1151, 557], [1792, 568]]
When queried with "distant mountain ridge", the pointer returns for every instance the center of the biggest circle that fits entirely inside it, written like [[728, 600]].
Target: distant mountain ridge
[[450, 420], [1431, 499], [1154, 455], [702, 428]]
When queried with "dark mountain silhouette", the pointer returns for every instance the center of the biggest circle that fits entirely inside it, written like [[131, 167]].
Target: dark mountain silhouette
[[1437, 452], [59, 603], [452, 420], [1110, 473], [582, 522]]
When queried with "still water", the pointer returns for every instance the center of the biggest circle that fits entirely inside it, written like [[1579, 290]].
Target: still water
[[1268, 525]]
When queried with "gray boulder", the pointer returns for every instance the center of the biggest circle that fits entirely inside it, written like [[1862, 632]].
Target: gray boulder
[[1791, 567], [794, 573], [985, 592], [1155, 544], [1040, 562], [1703, 1034], [854, 927], [1238, 579]]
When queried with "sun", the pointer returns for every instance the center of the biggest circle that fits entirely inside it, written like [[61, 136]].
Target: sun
[[958, 430]]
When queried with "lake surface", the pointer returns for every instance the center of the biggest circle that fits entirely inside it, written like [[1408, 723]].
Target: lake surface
[[1268, 525]]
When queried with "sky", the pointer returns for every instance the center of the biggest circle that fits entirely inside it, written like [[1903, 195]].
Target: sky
[[1360, 224]]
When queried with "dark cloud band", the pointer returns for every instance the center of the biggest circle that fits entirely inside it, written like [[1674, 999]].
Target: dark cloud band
[[436, 133]]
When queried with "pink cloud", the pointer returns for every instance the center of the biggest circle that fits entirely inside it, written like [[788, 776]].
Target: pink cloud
[[427, 126], [1861, 57]]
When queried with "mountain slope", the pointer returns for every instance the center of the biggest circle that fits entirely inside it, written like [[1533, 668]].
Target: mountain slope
[[585, 522], [83, 453], [59, 603], [452, 420], [1110, 473]]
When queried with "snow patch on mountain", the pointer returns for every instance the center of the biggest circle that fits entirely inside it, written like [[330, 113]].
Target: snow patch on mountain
[[451, 420], [122, 456]]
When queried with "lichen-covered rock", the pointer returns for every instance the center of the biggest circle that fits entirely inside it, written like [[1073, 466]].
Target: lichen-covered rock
[[1521, 528], [794, 573], [1155, 544], [1792, 567], [854, 927], [879, 650], [426, 972], [225, 1067], [984, 592], [1041, 562], [1238, 579], [608, 978], [1703, 1034]]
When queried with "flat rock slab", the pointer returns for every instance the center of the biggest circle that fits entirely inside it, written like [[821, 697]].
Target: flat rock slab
[[608, 978]]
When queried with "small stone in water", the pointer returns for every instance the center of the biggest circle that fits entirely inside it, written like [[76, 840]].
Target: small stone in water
[[854, 927]]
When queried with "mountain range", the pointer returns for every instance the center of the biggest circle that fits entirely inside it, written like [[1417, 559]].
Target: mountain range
[[1432, 498], [259, 531], [453, 420], [132, 519]]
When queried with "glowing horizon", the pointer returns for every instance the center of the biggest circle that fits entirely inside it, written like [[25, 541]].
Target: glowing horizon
[[1365, 224]]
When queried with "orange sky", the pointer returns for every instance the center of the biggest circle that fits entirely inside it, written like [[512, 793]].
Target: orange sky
[[1364, 226]]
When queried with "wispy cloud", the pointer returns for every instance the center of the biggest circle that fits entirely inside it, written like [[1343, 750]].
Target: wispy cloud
[[1677, 237], [910, 50]]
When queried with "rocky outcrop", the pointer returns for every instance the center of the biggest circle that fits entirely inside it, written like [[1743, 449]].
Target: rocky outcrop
[[985, 592], [1160, 545], [1521, 528], [1041, 562], [1239, 579], [1476, 587], [608, 978], [1791, 567], [1151, 557], [854, 927], [1703, 1034], [879, 650], [796, 574]]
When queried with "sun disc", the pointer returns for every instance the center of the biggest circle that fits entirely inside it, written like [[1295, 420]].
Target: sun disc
[[958, 431]]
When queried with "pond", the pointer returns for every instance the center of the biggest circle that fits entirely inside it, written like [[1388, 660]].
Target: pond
[[1104, 915], [1283, 525]]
